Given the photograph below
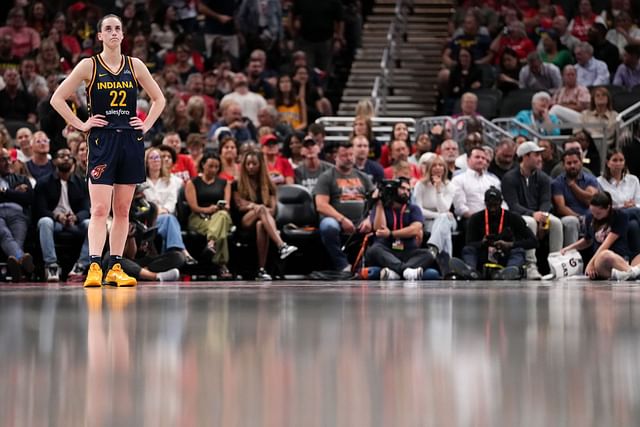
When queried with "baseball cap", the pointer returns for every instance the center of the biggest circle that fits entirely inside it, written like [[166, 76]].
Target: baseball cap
[[528, 147], [268, 139], [492, 194]]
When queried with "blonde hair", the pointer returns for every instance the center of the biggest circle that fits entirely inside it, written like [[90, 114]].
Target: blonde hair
[[164, 173], [435, 160]]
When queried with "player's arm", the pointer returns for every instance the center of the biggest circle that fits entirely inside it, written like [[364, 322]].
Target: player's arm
[[82, 72], [153, 90]]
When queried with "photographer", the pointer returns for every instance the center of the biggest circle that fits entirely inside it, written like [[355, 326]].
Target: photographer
[[397, 225], [494, 236]]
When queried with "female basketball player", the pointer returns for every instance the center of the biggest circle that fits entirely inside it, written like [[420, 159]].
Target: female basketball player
[[116, 141]]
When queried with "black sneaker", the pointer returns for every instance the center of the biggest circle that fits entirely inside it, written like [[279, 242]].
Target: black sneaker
[[13, 265], [27, 263], [459, 270]]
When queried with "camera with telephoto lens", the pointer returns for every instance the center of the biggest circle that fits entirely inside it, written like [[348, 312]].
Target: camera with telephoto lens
[[388, 191]]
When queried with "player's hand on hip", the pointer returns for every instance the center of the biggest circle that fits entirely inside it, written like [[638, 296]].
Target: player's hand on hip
[[138, 124], [96, 121]]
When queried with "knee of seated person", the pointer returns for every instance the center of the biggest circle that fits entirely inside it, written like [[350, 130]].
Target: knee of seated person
[[45, 222], [329, 225], [259, 225]]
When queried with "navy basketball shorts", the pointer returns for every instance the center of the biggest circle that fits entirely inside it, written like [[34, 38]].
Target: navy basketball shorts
[[116, 156]]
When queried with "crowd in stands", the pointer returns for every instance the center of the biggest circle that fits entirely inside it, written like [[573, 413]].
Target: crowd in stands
[[245, 85]]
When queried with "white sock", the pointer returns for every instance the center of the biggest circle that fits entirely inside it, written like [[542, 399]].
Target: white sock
[[169, 275]]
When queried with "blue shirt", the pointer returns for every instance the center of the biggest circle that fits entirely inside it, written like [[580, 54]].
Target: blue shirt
[[559, 187], [411, 214], [526, 118], [627, 77]]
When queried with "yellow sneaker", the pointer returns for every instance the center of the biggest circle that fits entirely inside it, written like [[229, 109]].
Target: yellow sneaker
[[94, 276], [116, 276]]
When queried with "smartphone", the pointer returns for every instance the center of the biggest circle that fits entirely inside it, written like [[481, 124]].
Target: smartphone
[[221, 203]]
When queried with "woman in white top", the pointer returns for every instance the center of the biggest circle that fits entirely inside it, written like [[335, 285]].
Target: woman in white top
[[434, 195], [624, 189], [162, 190]]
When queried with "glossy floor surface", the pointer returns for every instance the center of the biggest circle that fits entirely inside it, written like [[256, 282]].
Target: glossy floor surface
[[312, 354]]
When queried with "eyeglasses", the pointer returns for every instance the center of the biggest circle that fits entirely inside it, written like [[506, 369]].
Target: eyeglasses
[[41, 141], [155, 157]]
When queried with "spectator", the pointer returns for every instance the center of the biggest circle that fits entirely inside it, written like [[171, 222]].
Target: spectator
[[550, 156], [292, 149], [399, 131], [473, 139], [196, 115], [527, 191], [312, 167], [164, 29], [397, 227], [40, 164], [340, 197], [7, 58], [603, 49], [161, 189], [515, 38], [434, 195], [539, 75], [539, 118], [270, 118], [61, 201], [195, 87], [591, 71], [601, 113], [572, 191], [571, 99], [80, 156], [468, 106], [260, 25], [195, 146], [254, 196], [175, 117], [585, 19], [250, 103], [183, 166], [553, 52], [399, 152], [228, 159], [184, 59], [606, 236], [624, 33], [464, 77], [39, 18], [569, 144], [590, 153], [471, 40], [25, 39], [624, 190], [49, 60], [317, 132], [508, 72], [24, 137], [15, 103], [504, 159], [69, 42], [495, 236], [279, 169], [31, 81], [422, 146], [240, 127], [363, 163], [560, 26], [450, 152], [628, 73], [16, 197], [291, 103], [257, 81], [470, 186], [220, 26], [362, 126]]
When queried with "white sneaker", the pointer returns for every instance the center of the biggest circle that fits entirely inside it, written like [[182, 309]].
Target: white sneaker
[[389, 274], [412, 274], [533, 273], [52, 272], [286, 250], [621, 276], [263, 276]]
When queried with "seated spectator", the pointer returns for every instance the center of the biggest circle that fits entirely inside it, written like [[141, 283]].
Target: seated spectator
[[434, 195], [606, 235], [270, 118], [504, 159], [312, 167], [49, 61], [209, 199], [40, 164], [624, 190], [628, 73], [553, 51], [569, 144], [195, 147], [584, 19], [254, 196], [470, 186], [362, 126], [16, 104], [317, 103], [363, 163], [291, 104], [550, 156], [601, 112], [473, 139], [572, 191], [515, 38], [228, 159], [400, 153], [539, 75], [279, 169], [571, 99], [250, 103], [195, 87], [527, 191], [240, 127], [422, 146], [61, 201], [464, 77], [51, 122], [475, 43], [590, 71], [292, 149], [257, 81], [560, 26], [450, 152], [80, 156], [25, 39], [183, 166], [175, 117], [624, 33], [341, 196], [185, 59], [16, 197], [539, 118], [161, 189], [197, 121], [164, 29], [7, 58], [399, 131], [602, 48], [508, 72], [468, 106], [495, 236], [24, 138], [397, 227], [590, 153]]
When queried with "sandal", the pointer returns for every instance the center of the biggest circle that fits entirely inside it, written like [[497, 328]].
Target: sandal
[[224, 273], [210, 249]]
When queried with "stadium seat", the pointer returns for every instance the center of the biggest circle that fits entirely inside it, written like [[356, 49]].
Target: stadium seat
[[622, 101], [614, 90], [516, 101]]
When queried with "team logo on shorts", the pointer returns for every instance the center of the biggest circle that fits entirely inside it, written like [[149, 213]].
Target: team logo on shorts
[[97, 172]]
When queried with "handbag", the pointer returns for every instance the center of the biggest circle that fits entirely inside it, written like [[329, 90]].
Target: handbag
[[569, 264]]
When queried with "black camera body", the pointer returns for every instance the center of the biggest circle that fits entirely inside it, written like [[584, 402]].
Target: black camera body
[[388, 191]]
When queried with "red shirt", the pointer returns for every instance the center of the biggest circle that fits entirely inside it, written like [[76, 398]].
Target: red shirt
[[280, 170], [416, 174], [184, 168], [209, 102], [581, 26]]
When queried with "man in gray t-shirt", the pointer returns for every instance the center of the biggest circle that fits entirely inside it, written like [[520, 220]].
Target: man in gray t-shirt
[[312, 167], [341, 195]]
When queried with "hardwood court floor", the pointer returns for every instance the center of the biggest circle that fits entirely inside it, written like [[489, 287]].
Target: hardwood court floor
[[313, 354]]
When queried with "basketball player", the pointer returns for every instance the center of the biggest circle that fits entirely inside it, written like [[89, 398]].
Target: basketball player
[[116, 142]]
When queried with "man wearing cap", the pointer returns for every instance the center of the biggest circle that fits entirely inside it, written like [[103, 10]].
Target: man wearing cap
[[527, 191], [539, 118], [494, 236], [280, 170], [312, 167]]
